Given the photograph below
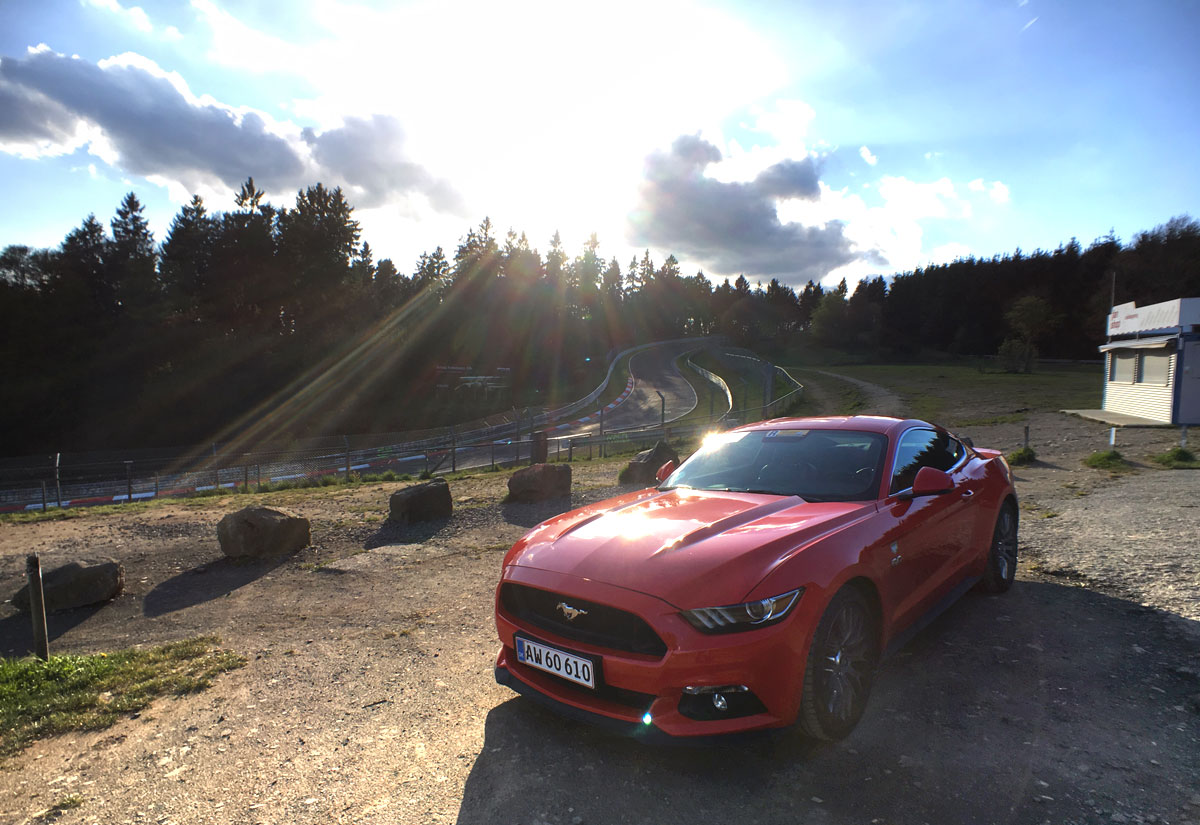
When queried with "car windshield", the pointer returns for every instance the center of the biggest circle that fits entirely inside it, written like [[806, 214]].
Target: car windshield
[[817, 465]]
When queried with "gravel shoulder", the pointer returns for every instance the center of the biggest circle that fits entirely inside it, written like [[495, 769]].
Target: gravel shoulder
[[369, 697]]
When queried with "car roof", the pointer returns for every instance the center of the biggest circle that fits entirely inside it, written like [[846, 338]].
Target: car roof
[[883, 424]]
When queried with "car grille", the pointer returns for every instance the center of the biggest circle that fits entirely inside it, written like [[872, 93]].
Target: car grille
[[601, 625]]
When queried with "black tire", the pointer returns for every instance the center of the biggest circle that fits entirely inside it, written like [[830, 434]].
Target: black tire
[[1002, 556], [840, 668]]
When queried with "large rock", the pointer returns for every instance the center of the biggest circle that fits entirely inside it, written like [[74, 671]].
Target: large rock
[[540, 482], [643, 469], [262, 531], [421, 502], [76, 585]]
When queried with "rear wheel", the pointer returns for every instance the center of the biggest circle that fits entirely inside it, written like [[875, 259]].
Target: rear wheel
[[1002, 558], [841, 667]]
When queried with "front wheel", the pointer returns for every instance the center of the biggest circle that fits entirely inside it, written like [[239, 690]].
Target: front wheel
[[1002, 558], [840, 668]]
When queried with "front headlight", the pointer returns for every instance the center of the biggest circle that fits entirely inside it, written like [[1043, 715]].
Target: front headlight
[[745, 616]]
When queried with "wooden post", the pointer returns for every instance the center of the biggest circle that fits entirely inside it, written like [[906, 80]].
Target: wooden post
[[1026, 436], [453, 451], [493, 454], [1183, 436], [37, 606], [570, 450], [156, 484], [57, 480], [43, 496], [591, 438], [346, 440], [129, 482]]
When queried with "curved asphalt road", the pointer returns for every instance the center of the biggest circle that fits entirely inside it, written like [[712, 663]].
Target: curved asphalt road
[[653, 371]]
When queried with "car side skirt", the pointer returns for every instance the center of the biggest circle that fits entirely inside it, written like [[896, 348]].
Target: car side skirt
[[905, 636]]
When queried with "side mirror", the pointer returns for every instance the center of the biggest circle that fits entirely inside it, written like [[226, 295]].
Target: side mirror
[[665, 471], [931, 482]]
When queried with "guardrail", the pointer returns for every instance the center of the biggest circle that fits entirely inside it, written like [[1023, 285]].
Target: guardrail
[[121, 480]]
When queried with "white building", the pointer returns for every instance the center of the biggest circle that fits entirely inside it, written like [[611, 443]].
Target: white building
[[1152, 361]]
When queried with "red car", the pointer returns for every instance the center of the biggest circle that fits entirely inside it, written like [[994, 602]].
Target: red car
[[759, 584]]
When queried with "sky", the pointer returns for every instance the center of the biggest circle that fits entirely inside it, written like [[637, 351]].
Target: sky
[[788, 140]]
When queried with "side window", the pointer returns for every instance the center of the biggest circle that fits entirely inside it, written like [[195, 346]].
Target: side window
[[923, 448]]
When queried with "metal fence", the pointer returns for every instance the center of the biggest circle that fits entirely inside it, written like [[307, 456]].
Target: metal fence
[[98, 478]]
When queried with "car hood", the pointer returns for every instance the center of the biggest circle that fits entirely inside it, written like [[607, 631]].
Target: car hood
[[691, 548]]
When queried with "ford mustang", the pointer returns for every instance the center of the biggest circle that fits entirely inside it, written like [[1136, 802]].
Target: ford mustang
[[760, 583]]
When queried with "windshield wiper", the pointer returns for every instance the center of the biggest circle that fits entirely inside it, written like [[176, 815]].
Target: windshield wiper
[[760, 491]]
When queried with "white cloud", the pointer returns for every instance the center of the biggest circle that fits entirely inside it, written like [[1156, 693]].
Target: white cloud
[[949, 252], [135, 16], [932, 155], [867, 156], [997, 191]]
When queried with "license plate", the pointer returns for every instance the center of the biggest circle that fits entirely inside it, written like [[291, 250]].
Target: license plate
[[573, 668]]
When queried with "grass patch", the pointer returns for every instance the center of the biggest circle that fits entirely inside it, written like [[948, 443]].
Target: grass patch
[[1021, 456], [937, 392], [68, 693], [1177, 458], [1109, 460]]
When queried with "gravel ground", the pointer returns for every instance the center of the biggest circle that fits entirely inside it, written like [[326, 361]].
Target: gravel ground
[[1139, 537], [369, 697]]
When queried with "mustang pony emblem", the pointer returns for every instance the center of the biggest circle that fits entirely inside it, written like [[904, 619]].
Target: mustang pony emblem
[[572, 613]]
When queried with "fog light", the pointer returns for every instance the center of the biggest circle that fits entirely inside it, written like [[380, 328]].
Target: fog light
[[719, 702], [646, 718]]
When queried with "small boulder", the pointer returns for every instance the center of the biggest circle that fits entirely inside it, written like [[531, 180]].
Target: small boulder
[[76, 585], [540, 482], [421, 502], [262, 531], [644, 466]]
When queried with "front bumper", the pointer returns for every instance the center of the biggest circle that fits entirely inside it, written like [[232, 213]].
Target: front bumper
[[769, 661]]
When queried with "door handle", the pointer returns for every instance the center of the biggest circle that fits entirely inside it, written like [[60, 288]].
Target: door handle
[[968, 493]]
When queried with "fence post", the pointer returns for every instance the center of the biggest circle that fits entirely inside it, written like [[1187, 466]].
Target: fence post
[[590, 440], [570, 450], [129, 482], [603, 451], [346, 439], [216, 471], [57, 480], [493, 454], [1026, 436], [43, 496], [37, 606], [453, 451], [156, 484]]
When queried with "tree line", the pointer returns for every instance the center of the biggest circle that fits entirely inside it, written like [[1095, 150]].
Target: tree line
[[114, 340]]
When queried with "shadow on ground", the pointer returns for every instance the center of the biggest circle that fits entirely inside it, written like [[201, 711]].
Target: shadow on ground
[[1029, 707], [390, 532], [206, 582], [16, 631]]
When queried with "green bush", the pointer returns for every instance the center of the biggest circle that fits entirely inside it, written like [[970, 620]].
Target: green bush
[[1177, 458], [1021, 456], [1109, 460]]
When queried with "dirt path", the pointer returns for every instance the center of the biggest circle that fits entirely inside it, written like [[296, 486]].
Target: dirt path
[[369, 695], [879, 400]]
